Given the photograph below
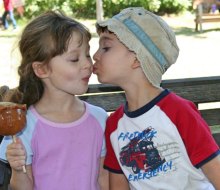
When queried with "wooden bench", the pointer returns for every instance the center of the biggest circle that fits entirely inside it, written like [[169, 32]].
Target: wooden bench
[[202, 17], [199, 90]]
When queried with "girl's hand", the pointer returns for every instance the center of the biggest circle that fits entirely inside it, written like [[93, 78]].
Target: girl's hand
[[16, 155]]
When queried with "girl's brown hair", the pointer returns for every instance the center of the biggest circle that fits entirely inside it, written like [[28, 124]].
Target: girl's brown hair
[[43, 38]]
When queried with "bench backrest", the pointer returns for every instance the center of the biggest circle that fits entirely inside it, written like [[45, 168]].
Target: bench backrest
[[198, 90], [206, 4]]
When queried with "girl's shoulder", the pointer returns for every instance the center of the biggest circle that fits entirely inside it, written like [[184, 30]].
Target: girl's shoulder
[[95, 109], [99, 113]]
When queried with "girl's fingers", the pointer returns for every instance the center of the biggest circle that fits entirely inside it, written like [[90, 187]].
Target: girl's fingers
[[15, 150], [16, 155], [16, 147], [16, 162], [17, 165]]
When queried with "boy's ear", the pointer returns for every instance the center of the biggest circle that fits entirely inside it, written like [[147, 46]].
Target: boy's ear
[[136, 64], [40, 69]]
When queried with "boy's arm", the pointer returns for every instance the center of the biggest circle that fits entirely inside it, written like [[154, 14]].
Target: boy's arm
[[212, 171], [103, 176], [118, 182]]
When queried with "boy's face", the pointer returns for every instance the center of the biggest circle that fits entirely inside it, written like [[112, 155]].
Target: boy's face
[[113, 61]]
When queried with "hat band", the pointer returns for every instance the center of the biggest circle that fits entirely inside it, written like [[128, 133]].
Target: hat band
[[146, 41]]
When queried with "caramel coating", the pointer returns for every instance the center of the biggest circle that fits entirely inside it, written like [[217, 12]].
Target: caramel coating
[[12, 118]]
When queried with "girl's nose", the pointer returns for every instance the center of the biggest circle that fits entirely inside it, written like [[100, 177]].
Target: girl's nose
[[87, 63]]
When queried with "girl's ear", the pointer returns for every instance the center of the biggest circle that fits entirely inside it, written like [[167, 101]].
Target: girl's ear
[[40, 69]]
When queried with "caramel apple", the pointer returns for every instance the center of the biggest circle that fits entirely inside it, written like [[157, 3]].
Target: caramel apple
[[12, 118]]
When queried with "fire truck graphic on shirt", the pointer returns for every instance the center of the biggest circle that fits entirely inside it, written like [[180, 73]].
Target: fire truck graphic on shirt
[[141, 154]]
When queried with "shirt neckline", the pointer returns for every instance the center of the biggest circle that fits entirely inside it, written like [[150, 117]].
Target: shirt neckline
[[56, 124], [147, 107]]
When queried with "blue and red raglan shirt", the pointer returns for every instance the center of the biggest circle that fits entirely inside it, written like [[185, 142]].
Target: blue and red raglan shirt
[[161, 145]]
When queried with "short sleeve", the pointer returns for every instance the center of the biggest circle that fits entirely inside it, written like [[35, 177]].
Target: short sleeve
[[111, 162], [26, 137]]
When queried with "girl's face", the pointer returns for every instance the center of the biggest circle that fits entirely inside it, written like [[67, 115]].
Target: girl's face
[[70, 72], [112, 60]]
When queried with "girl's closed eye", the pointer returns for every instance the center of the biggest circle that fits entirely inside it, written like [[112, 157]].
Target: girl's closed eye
[[74, 60]]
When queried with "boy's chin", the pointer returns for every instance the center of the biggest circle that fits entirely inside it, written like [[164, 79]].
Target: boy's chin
[[102, 81]]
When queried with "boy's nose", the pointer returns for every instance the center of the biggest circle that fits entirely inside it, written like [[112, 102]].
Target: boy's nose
[[95, 56]]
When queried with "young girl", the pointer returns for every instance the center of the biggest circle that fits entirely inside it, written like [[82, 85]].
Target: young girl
[[62, 144]]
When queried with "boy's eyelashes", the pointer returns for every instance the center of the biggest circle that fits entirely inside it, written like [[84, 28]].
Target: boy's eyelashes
[[106, 48]]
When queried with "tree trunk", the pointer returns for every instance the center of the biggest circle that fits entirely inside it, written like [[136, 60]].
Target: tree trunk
[[99, 10]]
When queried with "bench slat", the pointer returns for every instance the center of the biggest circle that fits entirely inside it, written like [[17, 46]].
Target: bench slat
[[191, 88], [210, 20], [212, 116], [110, 102], [217, 138], [211, 14], [198, 90]]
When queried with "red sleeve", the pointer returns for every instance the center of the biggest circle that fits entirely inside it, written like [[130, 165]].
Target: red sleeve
[[111, 162], [198, 139], [194, 131]]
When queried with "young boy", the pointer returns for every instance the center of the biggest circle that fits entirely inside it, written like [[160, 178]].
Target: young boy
[[157, 140]]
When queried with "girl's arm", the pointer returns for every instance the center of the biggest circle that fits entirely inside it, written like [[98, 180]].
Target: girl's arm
[[212, 171], [103, 176], [21, 180], [16, 156]]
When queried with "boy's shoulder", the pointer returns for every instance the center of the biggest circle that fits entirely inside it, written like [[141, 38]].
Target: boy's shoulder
[[118, 113], [176, 101], [178, 108], [112, 121]]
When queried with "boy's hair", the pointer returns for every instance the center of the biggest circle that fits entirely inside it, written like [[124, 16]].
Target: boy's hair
[[148, 36], [42, 39]]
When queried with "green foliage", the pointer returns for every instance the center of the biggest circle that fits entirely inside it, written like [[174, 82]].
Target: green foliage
[[84, 8], [34, 8], [174, 6], [114, 7], [87, 8], [156, 6]]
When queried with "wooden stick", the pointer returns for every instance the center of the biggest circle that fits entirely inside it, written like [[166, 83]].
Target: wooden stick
[[14, 140]]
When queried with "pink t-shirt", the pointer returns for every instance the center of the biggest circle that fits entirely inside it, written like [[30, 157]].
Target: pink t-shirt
[[64, 155]]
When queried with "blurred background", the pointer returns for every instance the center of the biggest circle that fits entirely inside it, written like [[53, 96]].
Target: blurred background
[[199, 50]]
